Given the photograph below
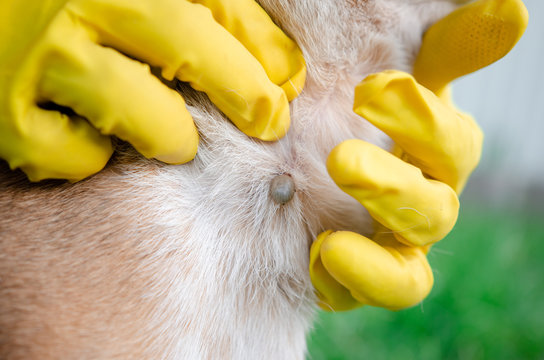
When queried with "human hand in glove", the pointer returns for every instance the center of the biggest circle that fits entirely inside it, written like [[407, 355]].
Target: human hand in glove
[[412, 193], [92, 57]]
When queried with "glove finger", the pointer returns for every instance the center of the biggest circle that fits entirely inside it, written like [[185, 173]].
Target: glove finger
[[332, 295], [418, 211], [51, 145], [442, 142], [392, 277], [468, 39], [278, 54], [120, 97], [185, 41]]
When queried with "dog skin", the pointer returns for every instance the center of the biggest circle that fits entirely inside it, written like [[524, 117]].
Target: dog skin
[[197, 261]]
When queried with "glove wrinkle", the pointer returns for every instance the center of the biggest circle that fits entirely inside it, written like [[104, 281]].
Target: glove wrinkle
[[412, 192], [94, 56], [391, 277]]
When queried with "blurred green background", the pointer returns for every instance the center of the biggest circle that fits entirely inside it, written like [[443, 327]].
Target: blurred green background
[[487, 301]]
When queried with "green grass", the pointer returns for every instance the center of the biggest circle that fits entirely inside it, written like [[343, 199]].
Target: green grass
[[487, 301]]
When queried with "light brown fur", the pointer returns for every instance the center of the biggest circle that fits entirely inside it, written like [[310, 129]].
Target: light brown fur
[[148, 261]]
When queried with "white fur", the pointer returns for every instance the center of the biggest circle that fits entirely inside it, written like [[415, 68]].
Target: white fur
[[227, 268]]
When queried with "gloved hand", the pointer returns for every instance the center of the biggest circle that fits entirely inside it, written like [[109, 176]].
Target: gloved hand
[[411, 192], [77, 55]]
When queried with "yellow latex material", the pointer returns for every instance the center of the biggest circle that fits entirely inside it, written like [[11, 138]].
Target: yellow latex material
[[494, 27], [417, 210], [444, 143], [351, 270], [287, 71], [73, 53], [412, 191]]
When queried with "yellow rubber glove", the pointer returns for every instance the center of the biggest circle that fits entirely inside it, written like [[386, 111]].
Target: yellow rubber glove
[[411, 192], [79, 55]]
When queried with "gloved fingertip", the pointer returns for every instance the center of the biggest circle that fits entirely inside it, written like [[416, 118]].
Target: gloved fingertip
[[349, 161], [315, 249], [342, 162], [392, 277], [513, 13], [468, 39], [331, 294], [57, 147], [182, 154], [295, 84], [373, 86], [271, 120], [66, 168]]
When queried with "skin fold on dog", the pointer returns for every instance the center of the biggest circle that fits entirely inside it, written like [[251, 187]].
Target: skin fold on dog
[[197, 261]]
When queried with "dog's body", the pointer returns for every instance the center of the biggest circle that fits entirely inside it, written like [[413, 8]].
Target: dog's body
[[148, 261]]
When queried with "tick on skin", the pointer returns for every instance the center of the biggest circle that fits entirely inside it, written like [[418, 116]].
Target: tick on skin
[[282, 189]]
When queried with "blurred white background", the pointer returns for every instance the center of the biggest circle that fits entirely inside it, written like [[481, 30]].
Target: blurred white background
[[507, 100]]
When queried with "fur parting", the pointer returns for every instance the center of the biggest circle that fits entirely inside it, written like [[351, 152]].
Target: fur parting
[[147, 261]]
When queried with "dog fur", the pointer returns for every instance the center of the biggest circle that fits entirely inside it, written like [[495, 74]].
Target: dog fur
[[149, 261]]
